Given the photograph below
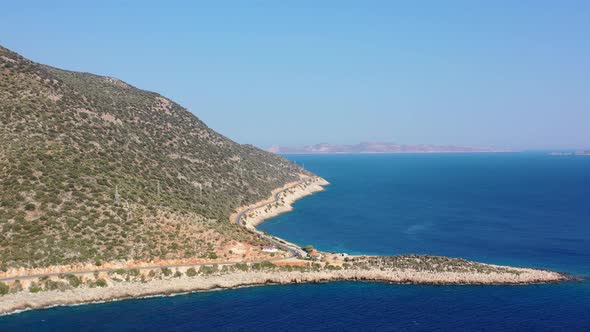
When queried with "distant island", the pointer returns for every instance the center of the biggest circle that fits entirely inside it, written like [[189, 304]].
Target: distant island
[[577, 153], [376, 147]]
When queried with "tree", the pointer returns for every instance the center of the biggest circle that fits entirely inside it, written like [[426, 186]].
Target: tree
[[308, 248]]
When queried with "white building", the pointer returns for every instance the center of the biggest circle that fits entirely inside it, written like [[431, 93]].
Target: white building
[[269, 249]]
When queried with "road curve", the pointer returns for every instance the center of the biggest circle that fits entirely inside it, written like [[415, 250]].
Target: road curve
[[294, 250]]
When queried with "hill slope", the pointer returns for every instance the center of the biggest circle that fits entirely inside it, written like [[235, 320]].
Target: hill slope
[[92, 168]]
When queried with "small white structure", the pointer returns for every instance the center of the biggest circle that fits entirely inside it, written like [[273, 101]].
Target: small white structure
[[269, 249]]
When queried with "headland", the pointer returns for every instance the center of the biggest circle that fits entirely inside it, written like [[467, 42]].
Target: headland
[[291, 264]]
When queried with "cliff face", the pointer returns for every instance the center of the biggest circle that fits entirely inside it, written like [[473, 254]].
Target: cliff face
[[92, 168]]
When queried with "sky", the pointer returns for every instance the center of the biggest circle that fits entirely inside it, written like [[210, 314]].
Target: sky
[[503, 74]]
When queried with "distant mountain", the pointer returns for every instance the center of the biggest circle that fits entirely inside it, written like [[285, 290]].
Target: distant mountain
[[376, 147], [92, 168], [577, 153]]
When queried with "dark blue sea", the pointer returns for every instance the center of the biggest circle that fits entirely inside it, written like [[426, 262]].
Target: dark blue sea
[[525, 209]]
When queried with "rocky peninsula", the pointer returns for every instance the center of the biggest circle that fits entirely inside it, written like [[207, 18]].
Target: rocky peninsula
[[33, 292], [122, 284]]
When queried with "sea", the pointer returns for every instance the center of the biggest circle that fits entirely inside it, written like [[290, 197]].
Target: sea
[[524, 209]]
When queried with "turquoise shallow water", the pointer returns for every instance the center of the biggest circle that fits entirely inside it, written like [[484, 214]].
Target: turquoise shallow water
[[527, 209]]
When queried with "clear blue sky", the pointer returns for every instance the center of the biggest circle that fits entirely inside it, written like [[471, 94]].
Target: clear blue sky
[[507, 74]]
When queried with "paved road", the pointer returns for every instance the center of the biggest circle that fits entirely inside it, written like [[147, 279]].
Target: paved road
[[295, 251], [151, 267]]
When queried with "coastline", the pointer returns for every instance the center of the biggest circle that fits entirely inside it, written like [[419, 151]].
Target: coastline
[[18, 302], [103, 286], [259, 212]]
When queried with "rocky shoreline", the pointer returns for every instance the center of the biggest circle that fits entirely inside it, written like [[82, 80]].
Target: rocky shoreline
[[111, 285], [404, 269], [262, 211], [118, 290]]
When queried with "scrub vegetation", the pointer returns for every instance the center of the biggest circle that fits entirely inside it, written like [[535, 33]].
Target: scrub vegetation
[[93, 170]]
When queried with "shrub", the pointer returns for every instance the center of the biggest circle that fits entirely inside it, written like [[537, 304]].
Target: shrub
[[101, 283], [30, 207], [242, 266], [191, 272], [166, 271], [17, 287], [3, 288], [263, 265], [120, 271], [73, 280], [35, 288], [333, 267], [207, 269], [53, 285]]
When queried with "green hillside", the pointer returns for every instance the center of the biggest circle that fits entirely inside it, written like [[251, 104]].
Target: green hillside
[[92, 168]]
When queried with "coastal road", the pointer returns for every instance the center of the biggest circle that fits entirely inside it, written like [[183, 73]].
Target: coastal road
[[151, 267], [295, 250]]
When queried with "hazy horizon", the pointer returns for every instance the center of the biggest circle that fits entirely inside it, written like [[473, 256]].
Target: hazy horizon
[[502, 75], [266, 147]]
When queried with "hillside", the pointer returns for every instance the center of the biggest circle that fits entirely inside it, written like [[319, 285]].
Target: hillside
[[376, 147], [93, 169]]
